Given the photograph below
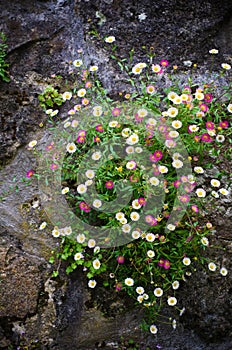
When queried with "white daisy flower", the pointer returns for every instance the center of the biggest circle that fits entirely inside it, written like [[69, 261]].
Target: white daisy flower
[[172, 112], [198, 170], [92, 283], [224, 191], [171, 227], [172, 301], [93, 68], [129, 282], [77, 63], [212, 266], [32, 144], [226, 66], [177, 164], [126, 132], [215, 183], [97, 203], [176, 124], [81, 189], [43, 225], [67, 95], [220, 138], [150, 237], [213, 51], [163, 169], [96, 155], [91, 243], [223, 271], [150, 253], [90, 174], [110, 39], [135, 204], [186, 261], [113, 124], [132, 139], [205, 241], [126, 228], [200, 192], [158, 292], [175, 285], [135, 234], [78, 256], [229, 108], [140, 290], [81, 238], [153, 329], [134, 216], [171, 96], [71, 147], [96, 264], [154, 181]]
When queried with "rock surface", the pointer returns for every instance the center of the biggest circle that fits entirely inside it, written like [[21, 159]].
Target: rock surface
[[43, 36]]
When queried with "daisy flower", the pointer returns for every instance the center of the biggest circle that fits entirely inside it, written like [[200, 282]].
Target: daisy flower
[[223, 271], [229, 108], [186, 261], [110, 39], [226, 66], [81, 189], [96, 264], [67, 95], [158, 292], [175, 285], [212, 266], [213, 51], [93, 68], [65, 190], [91, 243], [139, 290], [77, 63], [215, 183], [71, 147], [96, 155], [80, 238], [135, 234], [78, 256], [153, 329], [129, 282], [92, 284], [32, 144], [224, 191], [200, 192], [126, 228], [172, 301], [97, 203]]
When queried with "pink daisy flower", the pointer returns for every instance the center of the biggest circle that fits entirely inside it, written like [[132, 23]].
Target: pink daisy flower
[[109, 184], [53, 166], [208, 98], [224, 124], [209, 125], [164, 63], [116, 112], [30, 173], [99, 128], [203, 107], [120, 259], [206, 138]]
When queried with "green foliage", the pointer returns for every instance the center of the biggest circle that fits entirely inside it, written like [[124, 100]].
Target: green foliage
[[50, 98], [3, 52]]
